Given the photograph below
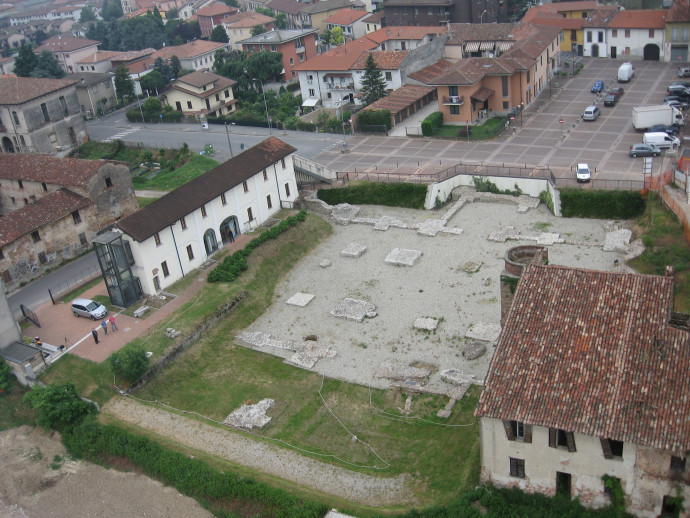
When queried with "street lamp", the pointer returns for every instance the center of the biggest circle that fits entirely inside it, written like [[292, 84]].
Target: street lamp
[[481, 17], [265, 105], [338, 103]]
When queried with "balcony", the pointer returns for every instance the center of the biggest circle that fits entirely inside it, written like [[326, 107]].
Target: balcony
[[453, 100], [300, 50], [337, 86]]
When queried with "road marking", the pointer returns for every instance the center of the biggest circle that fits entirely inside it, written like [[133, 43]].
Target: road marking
[[121, 135]]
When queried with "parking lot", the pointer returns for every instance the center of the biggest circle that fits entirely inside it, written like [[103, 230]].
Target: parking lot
[[541, 140]]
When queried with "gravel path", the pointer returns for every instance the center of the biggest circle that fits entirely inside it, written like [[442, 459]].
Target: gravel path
[[261, 456]]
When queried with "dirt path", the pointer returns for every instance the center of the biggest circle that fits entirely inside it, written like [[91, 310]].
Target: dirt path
[[36, 484], [274, 460]]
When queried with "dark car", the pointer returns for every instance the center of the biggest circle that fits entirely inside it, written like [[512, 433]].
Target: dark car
[[669, 130], [610, 100], [597, 87], [618, 92], [684, 84], [678, 90], [643, 150], [678, 103]]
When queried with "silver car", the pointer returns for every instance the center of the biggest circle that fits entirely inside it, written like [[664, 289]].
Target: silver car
[[88, 308]]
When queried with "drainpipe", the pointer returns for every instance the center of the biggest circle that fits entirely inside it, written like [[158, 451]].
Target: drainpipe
[[275, 172], [176, 250]]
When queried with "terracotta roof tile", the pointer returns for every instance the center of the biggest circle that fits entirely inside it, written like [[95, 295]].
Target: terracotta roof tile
[[405, 33], [18, 90], [328, 5], [557, 8], [592, 352], [463, 32], [216, 9], [468, 71], [293, 7], [339, 58], [643, 19], [679, 12], [46, 210], [185, 199], [47, 169], [101, 55], [385, 59], [65, 44], [601, 16], [400, 99], [375, 17], [346, 17], [248, 19]]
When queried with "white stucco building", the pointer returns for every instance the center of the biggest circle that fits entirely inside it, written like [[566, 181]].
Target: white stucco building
[[179, 231], [638, 34], [589, 378]]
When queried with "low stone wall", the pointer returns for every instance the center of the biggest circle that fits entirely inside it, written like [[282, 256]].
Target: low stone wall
[[200, 331], [311, 203]]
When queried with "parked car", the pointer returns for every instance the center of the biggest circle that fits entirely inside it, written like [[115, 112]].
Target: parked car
[[678, 90], [669, 130], [683, 71], [583, 173], [684, 84], [643, 150], [610, 100], [618, 92], [597, 87], [678, 103], [88, 308], [591, 113]]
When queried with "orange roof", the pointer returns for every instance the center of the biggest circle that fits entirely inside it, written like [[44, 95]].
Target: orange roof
[[561, 7], [340, 58], [216, 9], [405, 32], [101, 55], [559, 21], [248, 19], [346, 17], [385, 59], [643, 19]]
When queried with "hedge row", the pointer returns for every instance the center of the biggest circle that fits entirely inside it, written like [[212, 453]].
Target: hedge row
[[233, 265], [134, 115], [410, 195], [192, 477], [601, 204], [434, 120], [374, 118]]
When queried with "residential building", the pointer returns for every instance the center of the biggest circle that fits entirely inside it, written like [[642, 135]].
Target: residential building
[[589, 379], [212, 15], [569, 16], [406, 38], [6, 65], [100, 62], [471, 40], [313, 16], [350, 21], [96, 92], [291, 9], [297, 46], [68, 50], [181, 230], [596, 31], [639, 34], [442, 12], [40, 115], [53, 207], [678, 32], [202, 93], [373, 22], [195, 55], [239, 27]]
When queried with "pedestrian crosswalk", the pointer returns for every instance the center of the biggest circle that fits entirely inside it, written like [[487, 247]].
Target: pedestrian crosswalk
[[121, 135]]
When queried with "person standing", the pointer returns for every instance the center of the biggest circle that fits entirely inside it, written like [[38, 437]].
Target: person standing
[[112, 323], [95, 335], [104, 325]]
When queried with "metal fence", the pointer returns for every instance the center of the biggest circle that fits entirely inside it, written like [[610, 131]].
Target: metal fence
[[68, 285]]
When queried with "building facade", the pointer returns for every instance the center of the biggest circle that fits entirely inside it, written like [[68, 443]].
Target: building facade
[[68, 51], [635, 35], [96, 92], [297, 46], [202, 93]]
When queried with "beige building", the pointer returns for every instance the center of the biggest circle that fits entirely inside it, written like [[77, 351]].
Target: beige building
[[68, 51], [313, 16], [96, 92], [202, 93], [239, 27], [40, 115], [589, 379]]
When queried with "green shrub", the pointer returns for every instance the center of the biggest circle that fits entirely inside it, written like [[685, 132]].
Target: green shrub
[[546, 198], [601, 204], [7, 378], [401, 194], [233, 265], [434, 120], [129, 363], [292, 87], [58, 406], [374, 118], [485, 185]]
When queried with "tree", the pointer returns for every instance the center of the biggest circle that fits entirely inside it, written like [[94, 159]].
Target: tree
[[172, 13], [25, 61], [219, 35], [326, 37], [7, 378], [337, 36], [373, 82], [258, 29], [87, 15], [153, 82], [124, 85], [112, 10], [231, 3], [281, 21], [266, 11], [57, 406], [39, 37], [163, 69], [47, 66], [175, 66], [129, 363]]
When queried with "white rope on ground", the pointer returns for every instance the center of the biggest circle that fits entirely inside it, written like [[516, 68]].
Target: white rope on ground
[[405, 418], [254, 434]]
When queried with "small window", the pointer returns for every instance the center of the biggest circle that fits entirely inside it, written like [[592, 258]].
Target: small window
[[45, 187], [287, 189], [16, 118], [35, 236], [292, 61], [26, 202], [189, 105], [651, 33], [46, 115], [222, 199], [245, 187], [164, 267], [203, 211], [455, 109], [250, 215], [157, 239], [217, 97], [561, 439], [76, 217], [517, 467], [82, 238], [614, 33], [506, 105], [183, 223], [612, 449], [14, 201], [677, 464], [42, 259], [389, 76], [627, 33], [190, 252], [589, 36], [282, 162], [268, 202], [63, 105], [108, 181], [600, 37], [227, 93], [518, 431], [265, 175]]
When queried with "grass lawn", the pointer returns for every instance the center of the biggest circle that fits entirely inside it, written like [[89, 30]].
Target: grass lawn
[[167, 181], [482, 132], [663, 236], [143, 202], [95, 150], [12, 412]]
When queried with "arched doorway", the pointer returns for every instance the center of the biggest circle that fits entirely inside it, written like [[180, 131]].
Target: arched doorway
[[229, 229], [7, 145], [651, 52], [210, 242], [595, 51]]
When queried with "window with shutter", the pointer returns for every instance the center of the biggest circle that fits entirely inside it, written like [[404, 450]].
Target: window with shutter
[[570, 441], [528, 433], [553, 437], [606, 448], [517, 467], [509, 430]]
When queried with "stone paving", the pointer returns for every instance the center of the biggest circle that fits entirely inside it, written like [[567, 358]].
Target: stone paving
[[403, 257], [352, 309], [307, 353], [251, 416]]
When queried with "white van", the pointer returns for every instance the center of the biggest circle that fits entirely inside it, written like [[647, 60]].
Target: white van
[[625, 72], [661, 140], [591, 113]]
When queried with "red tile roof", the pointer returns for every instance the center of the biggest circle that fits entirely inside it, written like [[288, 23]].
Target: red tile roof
[[643, 19], [679, 12], [557, 8], [98, 56], [601, 16], [188, 50], [400, 99], [404, 33], [339, 58], [216, 9], [346, 17], [52, 207], [469, 71], [385, 59], [202, 78], [185, 199], [248, 19], [592, 352], [18, 90], [65, 44], [559, 21], [47, 169]]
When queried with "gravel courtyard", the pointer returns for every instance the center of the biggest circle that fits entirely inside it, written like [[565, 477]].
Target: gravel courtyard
[[435, 286]]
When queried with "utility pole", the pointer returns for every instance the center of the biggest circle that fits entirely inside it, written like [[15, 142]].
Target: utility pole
[[227, 133]]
